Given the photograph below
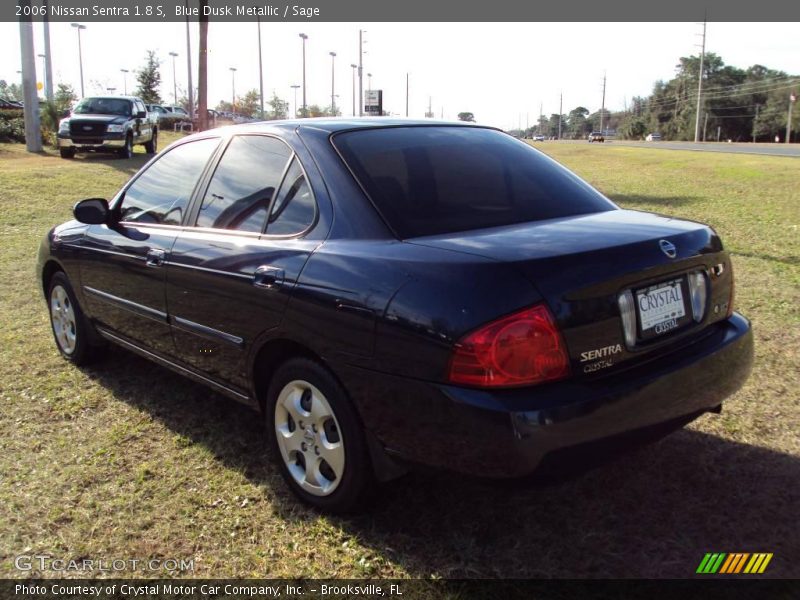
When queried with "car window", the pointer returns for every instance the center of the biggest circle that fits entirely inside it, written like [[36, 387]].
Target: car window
[[103, 106], [294, 208], [430, 180], [160, 194], [244, 184]]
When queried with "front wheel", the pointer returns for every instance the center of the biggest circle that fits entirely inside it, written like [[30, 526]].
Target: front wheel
[[68, 322], [151, 147], [127, 150], [317, 438]]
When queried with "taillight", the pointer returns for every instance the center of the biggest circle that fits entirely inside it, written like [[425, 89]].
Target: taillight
[[524, 348], [698, 292]]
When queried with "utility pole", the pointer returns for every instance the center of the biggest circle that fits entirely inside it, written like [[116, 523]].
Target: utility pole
[[360, 72], [355, 68], [406, 94], [174, 55], [560, 112], [705, 124], [189, 62], [48, 63], [260, 68], [33, 134], [700, 84], [333, 93], [304, 37], [603, 105], [755, 122], [80, 27], [792, 100]]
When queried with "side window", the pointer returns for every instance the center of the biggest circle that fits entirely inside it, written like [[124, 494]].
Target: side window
[[161, 193], [294, 209], [244, 183], [137, 107]]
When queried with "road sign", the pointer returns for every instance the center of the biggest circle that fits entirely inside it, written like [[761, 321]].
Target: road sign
[[373, 102]]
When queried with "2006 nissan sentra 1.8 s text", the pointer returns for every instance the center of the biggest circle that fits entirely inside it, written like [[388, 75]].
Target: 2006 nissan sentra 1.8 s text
[[395, 292]]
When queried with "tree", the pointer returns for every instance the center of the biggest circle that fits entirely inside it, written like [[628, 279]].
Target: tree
[[64, 97], [249, 105], [278, 108], [578, 125], [466, 116], [149, 78], [10, 92]]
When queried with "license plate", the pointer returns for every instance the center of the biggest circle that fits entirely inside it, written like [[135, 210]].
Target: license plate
[[661, 307]]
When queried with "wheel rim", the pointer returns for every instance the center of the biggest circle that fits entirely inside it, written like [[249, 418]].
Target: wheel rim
[[62, 316], [309, 438]]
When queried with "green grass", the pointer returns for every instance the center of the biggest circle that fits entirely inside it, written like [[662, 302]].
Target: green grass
[[126, 460]]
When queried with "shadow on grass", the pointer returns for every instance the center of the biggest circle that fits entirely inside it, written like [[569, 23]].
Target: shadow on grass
[[655, 203], [652, 513], [128, 166]]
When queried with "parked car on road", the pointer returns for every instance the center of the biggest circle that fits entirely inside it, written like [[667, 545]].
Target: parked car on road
[[108, 124], [596, 136], [388, 292], [538, 138], [653, 137]]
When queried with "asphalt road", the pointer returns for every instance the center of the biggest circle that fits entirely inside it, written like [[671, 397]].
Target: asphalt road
[[791, 150]]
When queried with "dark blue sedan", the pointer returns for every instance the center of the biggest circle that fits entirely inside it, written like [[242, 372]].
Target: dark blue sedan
[[395, 292]]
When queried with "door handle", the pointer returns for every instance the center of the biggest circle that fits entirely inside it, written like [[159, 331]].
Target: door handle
[[268, 277], [155, 257]]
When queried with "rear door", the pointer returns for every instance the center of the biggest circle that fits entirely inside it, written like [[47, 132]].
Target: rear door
[[230, 275], [123, 268]]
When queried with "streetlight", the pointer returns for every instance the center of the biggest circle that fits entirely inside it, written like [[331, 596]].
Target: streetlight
[[260, 69], [79, 27], [333, 100], [304, 37], [354, 67], [125, 80], [174, 55], [295, 88], [233, 89]]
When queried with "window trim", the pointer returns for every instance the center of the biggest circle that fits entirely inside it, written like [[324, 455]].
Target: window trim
[[276, 236], [117, 204]]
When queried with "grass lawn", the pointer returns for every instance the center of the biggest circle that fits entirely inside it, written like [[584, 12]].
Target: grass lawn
[[127, 460]]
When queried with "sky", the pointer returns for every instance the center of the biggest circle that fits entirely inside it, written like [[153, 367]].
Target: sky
[[501, 72]]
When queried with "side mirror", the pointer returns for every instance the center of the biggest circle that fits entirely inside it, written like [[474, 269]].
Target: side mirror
[[92, 211], [141, 115]]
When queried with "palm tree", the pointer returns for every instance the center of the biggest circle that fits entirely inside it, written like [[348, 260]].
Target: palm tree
[[202, 84]]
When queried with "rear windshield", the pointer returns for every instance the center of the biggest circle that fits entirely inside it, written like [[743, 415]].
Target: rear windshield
[[430, 180]]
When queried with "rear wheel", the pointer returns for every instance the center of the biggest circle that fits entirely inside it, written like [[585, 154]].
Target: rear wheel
[[68, 322], [151, 147], [67, 152], [316, 437], [127, 150]]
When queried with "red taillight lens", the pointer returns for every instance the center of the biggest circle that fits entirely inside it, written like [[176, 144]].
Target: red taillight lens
[[524, 348]]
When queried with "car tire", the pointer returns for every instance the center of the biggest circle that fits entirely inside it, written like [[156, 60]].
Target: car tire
[[127, 150], [151, 147], [68, 323], [67, 152], [310, 420]]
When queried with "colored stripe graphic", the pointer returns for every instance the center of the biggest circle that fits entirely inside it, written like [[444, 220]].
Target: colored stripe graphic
[[734, 563]]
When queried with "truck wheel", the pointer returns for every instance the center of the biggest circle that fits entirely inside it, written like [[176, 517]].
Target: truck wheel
[[127, 150], [151, 147], [67, 152]]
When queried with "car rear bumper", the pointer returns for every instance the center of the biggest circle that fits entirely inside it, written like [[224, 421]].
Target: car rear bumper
[[507, 433]]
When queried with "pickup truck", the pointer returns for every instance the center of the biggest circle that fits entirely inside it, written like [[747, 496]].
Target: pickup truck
[[108, 124]]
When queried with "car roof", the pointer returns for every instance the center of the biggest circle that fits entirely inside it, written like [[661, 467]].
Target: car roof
[[335, 125]]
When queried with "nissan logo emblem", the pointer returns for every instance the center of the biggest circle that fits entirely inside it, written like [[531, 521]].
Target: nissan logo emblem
[[668, 248]]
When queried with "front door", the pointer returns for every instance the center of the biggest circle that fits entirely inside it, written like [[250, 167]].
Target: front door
[[123, 272]]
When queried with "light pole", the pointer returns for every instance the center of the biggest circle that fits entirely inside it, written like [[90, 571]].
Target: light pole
[[304, 37], [354, 67], [125, 79], [174, 55], [260, 68], [233, 89], [333, 98], [79, 27], [295, 88]]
